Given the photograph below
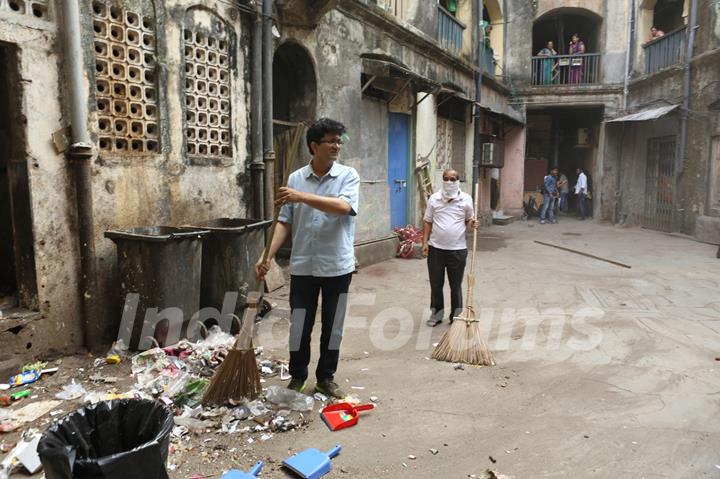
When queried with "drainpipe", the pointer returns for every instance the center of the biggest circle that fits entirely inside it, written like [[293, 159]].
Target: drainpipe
[[269, 152], [684, 111], [257, 167], [477, 144], [628, 56], [80, 155]]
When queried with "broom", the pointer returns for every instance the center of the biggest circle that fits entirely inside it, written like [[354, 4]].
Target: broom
[[238, 377], [463, 341]]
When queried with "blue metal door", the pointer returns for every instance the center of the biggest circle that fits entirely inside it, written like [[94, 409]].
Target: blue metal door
[[398, 158]]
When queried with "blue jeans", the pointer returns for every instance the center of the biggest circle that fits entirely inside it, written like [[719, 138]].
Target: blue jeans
[[547, 208], [563, 202], [581, 206]]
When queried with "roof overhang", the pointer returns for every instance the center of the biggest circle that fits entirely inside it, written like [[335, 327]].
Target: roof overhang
[[645, 115]]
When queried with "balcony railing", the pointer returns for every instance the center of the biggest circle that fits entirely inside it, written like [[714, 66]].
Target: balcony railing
[[488, 61], [449, 31], [566, 69], [665, 51]]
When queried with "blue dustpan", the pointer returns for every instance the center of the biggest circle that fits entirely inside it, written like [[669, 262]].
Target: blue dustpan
[[252, 474], [311, 463]]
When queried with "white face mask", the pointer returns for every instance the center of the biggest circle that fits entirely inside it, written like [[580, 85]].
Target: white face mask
[[450, 189]]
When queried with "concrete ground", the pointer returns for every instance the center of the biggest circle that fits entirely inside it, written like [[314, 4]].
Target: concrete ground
[[602, 371]]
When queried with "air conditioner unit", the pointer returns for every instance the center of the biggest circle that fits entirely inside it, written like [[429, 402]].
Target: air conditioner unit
[[491, 155]]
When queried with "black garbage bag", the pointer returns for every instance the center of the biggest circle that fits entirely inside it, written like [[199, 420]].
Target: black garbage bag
[[109, 440]]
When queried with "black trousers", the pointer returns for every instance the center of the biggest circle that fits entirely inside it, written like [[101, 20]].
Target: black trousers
[[304, 292], [439, 261]]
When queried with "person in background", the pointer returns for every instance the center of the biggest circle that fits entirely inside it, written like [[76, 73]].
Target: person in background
[[494, 188], [449, 214], [581, 189], [564, 187], [548, 64], [655, 32], [549, 194], [577, 47]]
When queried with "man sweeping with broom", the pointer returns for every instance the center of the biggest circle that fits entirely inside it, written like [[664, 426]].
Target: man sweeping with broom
[[448, 215], [318, 209]]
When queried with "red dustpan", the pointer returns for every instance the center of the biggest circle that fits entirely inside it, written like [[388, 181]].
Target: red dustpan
[[343, 414]]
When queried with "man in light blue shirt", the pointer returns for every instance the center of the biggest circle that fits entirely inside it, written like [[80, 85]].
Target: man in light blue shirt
[[318, 207]]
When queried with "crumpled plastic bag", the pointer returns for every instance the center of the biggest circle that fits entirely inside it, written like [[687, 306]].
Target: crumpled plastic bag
[[72, 390], [109, 440], [287, 398]]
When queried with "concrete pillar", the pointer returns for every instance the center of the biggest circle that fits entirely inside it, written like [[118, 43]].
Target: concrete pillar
[[512, 176]]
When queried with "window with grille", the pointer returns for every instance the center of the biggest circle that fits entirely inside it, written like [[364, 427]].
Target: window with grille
[[208, 121], [34, 8], [451, 145], [126, 79]]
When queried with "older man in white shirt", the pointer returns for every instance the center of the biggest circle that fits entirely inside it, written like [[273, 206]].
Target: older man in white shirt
[[448, 215], [581, 190]]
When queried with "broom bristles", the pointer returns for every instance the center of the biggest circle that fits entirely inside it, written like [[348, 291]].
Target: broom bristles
[[237, 378], [463, 342]]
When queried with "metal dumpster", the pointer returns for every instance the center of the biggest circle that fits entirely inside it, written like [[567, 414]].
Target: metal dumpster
[[159, 269], [229, 254]]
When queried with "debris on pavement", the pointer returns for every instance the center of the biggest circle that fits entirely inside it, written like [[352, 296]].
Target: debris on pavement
[[24, 453], [72, 390]]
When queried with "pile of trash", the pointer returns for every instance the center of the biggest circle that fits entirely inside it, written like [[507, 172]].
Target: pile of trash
[[177, 376], [410, 237]]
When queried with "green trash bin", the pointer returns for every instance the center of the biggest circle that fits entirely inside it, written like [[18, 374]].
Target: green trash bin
[[229, 253], [159, 270]]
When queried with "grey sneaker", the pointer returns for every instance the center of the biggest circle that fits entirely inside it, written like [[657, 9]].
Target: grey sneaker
[[329, 388], [297, 385]]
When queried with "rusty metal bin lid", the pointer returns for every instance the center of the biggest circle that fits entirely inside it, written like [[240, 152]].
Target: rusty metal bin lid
[[156, 234], [231, 225]]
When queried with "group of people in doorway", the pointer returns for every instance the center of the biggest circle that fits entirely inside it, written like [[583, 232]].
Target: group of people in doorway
[[556, 189], [550, 66]]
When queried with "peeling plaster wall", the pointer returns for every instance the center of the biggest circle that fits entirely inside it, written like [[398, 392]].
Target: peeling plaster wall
[[173, 187], [51, 190]]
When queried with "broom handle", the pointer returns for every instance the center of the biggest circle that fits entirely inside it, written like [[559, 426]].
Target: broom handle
[[471, 274], [244, 339]]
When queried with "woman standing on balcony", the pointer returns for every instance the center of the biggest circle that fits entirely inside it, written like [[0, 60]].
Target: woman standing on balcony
[[548, 64], [577, 47]]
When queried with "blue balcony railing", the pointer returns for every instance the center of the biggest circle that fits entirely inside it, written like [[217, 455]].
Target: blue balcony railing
[[665, 51], [566, 69], [449, 31]]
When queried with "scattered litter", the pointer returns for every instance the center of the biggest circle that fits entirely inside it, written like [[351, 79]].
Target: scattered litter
[[71, 391], [490, 474], [492, 459], [411, 457], [33, 411], [294, 400], [434, 452], [320, 397], [374, 399], [25, 454], [14, 397], [459, 366], [360, 388]]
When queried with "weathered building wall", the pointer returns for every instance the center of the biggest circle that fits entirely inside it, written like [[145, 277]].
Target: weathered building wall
[[179, 174], [39, 91], [513, 174]]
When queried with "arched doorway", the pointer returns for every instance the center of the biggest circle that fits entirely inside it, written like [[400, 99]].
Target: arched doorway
[[560, 24], [294, 85], [294, 97]]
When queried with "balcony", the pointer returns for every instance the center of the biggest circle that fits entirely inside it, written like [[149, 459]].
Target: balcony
[[566, 70], [665, 51], [449, 31]]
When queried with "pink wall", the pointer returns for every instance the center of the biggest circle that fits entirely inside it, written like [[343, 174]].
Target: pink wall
[[512, 176]]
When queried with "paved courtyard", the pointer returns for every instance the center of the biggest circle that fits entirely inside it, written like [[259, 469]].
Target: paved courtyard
[[602, 371]]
